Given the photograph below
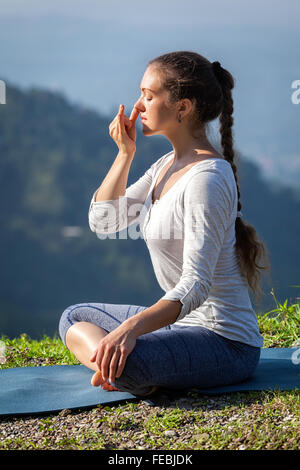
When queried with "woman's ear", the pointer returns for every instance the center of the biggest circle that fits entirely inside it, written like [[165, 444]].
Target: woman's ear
[[186, 107]]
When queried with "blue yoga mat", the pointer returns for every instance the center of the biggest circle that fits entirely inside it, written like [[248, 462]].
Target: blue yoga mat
[[29, 390], [278, 369]]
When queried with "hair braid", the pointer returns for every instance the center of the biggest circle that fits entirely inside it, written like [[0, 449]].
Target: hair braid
[[249, 248], [226, 123]]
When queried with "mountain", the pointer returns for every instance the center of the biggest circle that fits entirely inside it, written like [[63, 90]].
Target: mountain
[[54, 155]]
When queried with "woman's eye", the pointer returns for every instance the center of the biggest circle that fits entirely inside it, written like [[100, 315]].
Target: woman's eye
[[148, 99]]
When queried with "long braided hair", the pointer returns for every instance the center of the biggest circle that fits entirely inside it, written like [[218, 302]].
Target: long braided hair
[[187, 74]]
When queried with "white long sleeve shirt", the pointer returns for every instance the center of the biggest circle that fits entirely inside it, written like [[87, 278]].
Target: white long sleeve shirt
[[190, 234]]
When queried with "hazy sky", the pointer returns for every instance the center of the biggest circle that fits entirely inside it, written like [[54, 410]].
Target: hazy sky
[[95, 52], [194, 12]]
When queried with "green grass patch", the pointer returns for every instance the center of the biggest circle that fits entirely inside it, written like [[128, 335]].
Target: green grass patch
[[280, 327], [24, 351]]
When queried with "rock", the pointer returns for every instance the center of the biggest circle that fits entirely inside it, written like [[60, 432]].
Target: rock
[[170, 433], [65, 412], [202, 436]]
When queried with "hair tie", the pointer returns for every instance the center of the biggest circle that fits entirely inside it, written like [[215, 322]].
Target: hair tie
[[239, 214], [216, 66]]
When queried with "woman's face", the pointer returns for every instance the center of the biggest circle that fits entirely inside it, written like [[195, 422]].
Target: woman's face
[[161, 117]]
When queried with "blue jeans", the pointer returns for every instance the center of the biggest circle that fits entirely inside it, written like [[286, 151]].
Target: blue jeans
[[175, 356]]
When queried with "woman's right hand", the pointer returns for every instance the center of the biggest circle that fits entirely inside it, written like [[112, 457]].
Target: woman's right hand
[[123, 130]]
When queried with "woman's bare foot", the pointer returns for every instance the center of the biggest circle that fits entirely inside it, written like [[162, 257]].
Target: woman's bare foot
[[97, 380]]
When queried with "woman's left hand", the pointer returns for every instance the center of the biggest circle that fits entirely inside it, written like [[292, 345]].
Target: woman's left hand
[[112, 352]]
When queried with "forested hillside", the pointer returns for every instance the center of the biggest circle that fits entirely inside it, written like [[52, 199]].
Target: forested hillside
[[53, 155]]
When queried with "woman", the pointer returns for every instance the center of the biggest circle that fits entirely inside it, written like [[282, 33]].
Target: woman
[[203, 332]]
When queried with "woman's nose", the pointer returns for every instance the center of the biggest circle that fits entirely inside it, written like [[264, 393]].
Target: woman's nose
[[139, 105]]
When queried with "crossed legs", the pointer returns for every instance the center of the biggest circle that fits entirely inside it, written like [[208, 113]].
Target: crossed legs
[[175, 356], [82, 338]]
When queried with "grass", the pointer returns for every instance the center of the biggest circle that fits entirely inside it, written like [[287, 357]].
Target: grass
[[190, 421], [25, 351], [280, 327]]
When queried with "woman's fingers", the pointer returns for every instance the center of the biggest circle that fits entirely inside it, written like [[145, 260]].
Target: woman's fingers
[[134, 115], [121, 118], [131, 128], [130, 122], [99, 356], [122, 130], [121, 365], [127, 121], [113, 366], [111, 355], [104, 366], [97, 380], [110, 362], [93, 357]]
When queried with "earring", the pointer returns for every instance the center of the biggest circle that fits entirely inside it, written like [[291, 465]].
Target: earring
[[179, 118]]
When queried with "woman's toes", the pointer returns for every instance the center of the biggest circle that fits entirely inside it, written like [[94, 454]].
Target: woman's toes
[[97, 379], [109, 387]]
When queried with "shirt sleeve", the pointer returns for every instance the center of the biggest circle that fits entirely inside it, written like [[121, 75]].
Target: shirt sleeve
[[207, 213], [114, 215]]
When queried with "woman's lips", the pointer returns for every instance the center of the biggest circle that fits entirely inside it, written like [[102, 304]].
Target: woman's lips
[[143, 119]]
